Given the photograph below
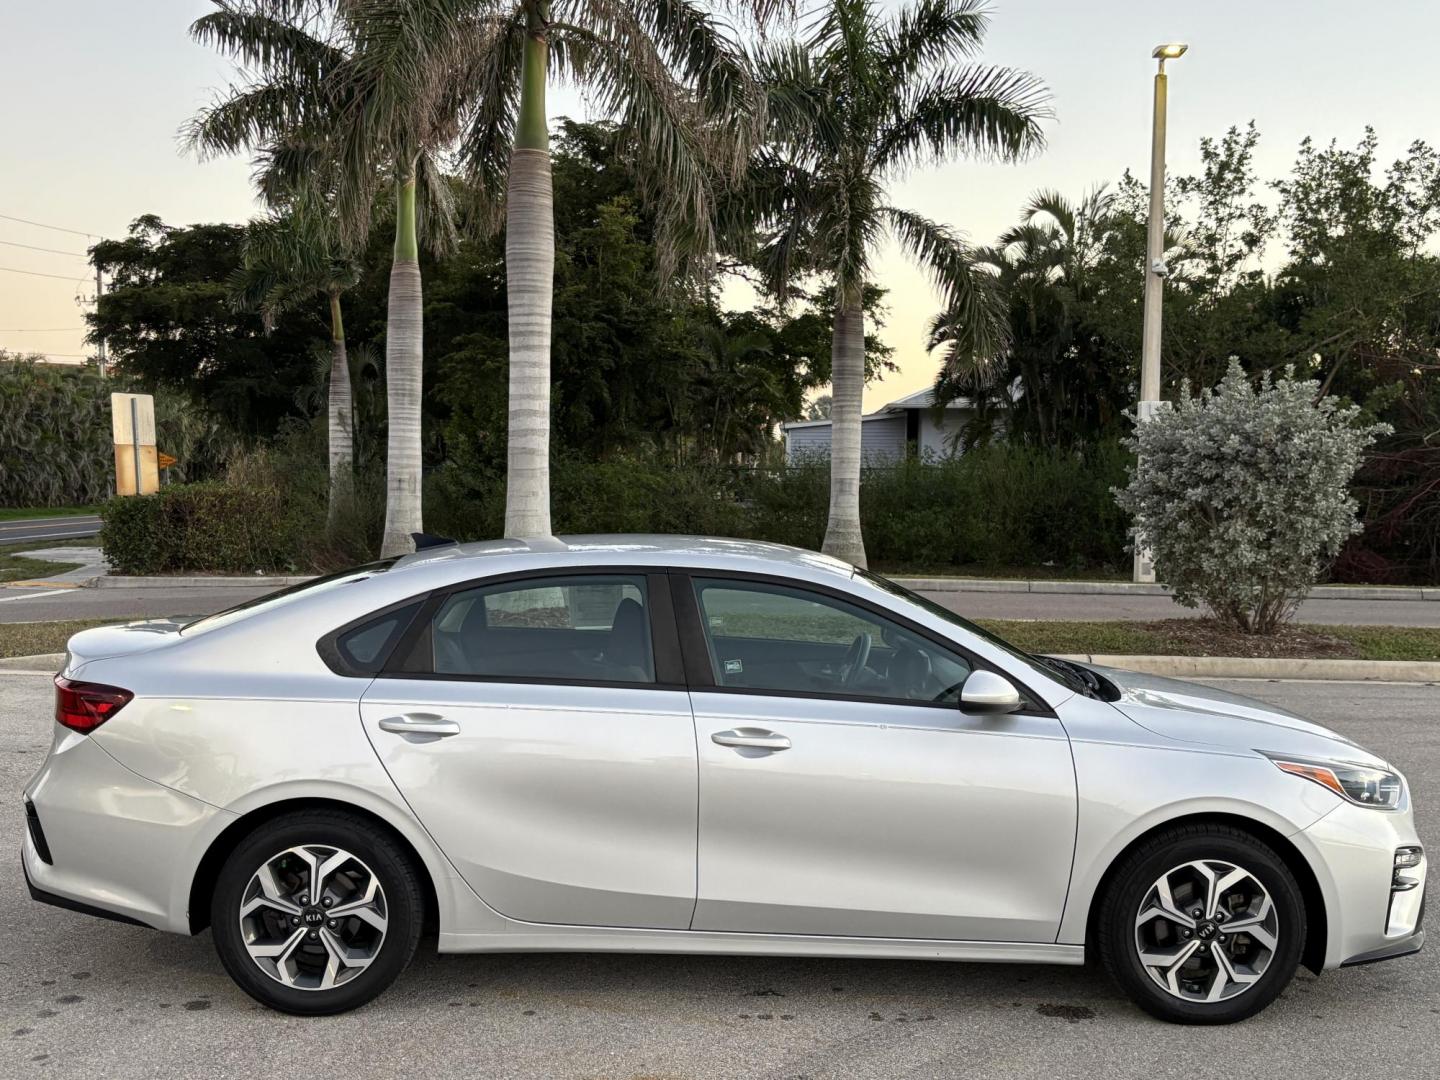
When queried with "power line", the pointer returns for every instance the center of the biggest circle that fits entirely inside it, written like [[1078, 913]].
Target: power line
[[36, 273], [57, 228], [52, 251]]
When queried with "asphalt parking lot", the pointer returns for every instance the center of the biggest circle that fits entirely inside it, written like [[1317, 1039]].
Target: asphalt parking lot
[[88, 998]]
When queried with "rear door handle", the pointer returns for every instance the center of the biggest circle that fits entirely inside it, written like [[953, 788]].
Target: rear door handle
[[751, 738], [419, 723]]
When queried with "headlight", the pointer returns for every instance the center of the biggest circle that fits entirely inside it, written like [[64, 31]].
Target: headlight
[[1359, 784]]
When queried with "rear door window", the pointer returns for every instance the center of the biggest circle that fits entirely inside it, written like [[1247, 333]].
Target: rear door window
[[587, 628]]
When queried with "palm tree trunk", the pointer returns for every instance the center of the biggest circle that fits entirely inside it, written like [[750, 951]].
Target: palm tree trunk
[[341, 411], [404, 352], [847, 376], [530, 285]]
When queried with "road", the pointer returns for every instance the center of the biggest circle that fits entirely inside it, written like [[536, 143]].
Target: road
[[1070, 606], [51, 528], [36, 605], [86, 998]]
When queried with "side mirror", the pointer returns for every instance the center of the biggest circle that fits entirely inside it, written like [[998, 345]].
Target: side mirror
[[985, 692]]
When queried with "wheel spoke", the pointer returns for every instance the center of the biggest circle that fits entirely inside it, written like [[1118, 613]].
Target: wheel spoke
[[278, 955], [1221, 886], [271, 893], [1167, 904]]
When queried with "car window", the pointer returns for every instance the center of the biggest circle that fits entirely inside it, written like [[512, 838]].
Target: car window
[[285, 596], [594, 628], [362, 650], [781, 638]]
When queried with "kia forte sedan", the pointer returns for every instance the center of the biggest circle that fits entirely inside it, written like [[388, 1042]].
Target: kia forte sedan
[[666, 744]]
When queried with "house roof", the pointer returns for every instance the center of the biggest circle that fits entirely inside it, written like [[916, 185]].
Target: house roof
[[924, 399]]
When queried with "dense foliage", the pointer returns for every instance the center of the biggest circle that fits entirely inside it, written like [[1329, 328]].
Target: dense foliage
[[1243, 494], [1331, 269], [1000, 507], [55, 444]]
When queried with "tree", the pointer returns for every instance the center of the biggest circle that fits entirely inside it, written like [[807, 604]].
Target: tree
[[337, 103], [858, 100], [169, 323], [672, 77], [1050, 381], [1243, 494], [289, 260]]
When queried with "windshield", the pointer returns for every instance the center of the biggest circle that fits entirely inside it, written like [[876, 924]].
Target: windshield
[[1058, 670], [285, 596]]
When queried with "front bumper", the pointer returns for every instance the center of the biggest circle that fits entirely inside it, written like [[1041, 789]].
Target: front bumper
[[117, 844], [1368, 919]]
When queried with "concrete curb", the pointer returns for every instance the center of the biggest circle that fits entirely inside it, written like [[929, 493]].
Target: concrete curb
[[1246, 667], [1131, 588], [41, 664], [197, 581]]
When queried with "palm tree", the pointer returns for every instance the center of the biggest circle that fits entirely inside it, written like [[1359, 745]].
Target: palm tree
[[290, 258], [335, 102], [672, 76], [861, 97], [1042, 268]]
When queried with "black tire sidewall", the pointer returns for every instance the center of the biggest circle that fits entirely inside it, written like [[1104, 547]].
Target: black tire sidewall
[[1143, 869], [404, 903]]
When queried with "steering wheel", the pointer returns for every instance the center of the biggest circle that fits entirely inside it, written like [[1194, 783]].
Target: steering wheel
[[855, 658]]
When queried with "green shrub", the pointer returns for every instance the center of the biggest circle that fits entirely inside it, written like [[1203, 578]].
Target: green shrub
[[1244, 496], [994, 507], [210, 527]]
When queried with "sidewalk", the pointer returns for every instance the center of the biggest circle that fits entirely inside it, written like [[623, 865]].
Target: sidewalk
[[1131, 588]]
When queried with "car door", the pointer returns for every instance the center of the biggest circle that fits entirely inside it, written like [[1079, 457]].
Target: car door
[[540, 729], [842, 790]]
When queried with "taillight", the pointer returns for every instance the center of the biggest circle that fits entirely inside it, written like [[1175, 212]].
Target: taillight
[[84, 706]]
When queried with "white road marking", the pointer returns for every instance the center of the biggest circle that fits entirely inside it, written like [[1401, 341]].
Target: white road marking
[[34, 595]]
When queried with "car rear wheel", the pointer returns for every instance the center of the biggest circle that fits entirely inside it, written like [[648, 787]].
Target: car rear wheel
[[1202, 925], [316, 913]]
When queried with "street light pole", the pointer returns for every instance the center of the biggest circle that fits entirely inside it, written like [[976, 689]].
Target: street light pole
[[1155, 272]]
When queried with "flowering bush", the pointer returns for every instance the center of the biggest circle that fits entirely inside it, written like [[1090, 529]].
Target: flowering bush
[[1243, 494]]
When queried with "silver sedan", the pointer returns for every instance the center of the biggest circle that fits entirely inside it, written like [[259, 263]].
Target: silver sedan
[[683, 745]]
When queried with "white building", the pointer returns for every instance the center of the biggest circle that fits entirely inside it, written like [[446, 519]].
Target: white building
[[886, 435]]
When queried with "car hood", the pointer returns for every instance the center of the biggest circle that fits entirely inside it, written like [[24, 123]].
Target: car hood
[[1188, 712]]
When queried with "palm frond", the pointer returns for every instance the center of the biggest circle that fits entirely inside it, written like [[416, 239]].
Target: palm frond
[[976, 110], [930, 32], [977, 329]]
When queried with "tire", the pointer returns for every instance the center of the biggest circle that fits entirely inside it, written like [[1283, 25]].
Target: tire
[[337, 952], [1228, 976]]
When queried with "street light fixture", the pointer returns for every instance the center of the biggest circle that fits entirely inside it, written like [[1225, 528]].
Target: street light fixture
[[1155, 271]]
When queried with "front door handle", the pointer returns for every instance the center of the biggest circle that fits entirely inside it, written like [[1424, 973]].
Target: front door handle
[[751, 738], [419, 723]]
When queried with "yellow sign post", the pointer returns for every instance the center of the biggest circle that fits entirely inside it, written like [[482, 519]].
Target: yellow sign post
[[137, 470]]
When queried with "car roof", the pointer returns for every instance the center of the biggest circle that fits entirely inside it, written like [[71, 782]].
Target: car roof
[[644, 549]]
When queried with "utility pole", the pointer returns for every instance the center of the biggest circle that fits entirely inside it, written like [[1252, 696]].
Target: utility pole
[[1155, 272], [99, 291]]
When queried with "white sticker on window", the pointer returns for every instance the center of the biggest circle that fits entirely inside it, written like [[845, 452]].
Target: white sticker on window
[[734, 667]]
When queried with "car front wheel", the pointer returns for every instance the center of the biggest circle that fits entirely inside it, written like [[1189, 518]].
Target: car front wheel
[[1202, 925], [316, 913]]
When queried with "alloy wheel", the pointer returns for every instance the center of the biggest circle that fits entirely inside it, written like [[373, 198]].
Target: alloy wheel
[[313, 917], [1206, 931]]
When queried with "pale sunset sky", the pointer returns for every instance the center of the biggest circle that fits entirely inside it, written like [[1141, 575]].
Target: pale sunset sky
[[96, 90]]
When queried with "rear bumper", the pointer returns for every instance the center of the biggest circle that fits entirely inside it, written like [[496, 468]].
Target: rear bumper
[[110, 842], [55, 900]]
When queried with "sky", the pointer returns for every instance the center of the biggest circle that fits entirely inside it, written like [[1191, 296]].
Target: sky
[[96, 90]]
